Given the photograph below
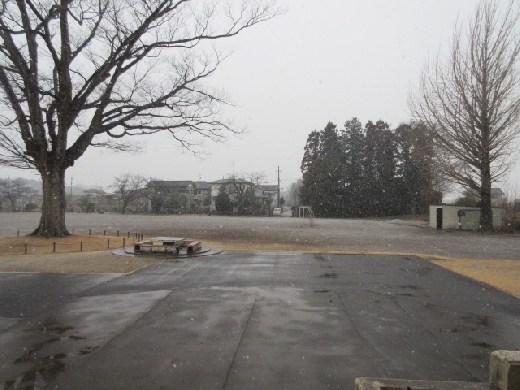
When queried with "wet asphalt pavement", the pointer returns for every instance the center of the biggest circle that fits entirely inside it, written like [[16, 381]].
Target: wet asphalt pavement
[[251, 321]]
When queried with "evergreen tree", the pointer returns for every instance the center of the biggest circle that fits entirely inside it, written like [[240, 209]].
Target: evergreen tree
[[322, 172], [417, 168], [223, 202], [370, 171], [353, 141], [380, 168], [311, 150]]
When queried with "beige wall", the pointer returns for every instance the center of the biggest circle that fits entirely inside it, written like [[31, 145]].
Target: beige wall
[[451, 219]]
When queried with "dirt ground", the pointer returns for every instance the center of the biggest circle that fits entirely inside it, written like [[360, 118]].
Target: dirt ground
[[492, 259]]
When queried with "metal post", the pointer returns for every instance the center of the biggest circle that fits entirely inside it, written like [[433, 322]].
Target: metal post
[[54, 247]]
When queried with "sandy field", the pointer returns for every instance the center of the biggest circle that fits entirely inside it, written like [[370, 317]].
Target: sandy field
[[492, 258]]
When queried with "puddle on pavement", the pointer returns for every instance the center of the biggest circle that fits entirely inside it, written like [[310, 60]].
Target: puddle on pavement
[[45, 368], [328, 275], [320, 258], [55, 329], [482, 345], [46, 371], [410, 287]]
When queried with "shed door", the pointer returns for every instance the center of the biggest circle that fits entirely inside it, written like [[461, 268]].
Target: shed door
[[439, 218]]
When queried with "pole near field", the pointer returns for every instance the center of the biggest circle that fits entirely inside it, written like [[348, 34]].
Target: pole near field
[[278, 188]]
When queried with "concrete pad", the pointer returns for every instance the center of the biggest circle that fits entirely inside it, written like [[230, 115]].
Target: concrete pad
[[37, 350], [231, 338], [256, 320]]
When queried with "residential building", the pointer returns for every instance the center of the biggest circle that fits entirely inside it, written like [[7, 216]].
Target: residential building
[[270, 193], [181, 196], [497, 196], [234, 187]]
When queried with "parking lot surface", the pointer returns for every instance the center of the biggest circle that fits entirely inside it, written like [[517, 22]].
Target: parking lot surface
[[245, 320]]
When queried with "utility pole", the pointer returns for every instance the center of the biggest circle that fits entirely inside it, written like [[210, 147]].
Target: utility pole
[[278, 189]]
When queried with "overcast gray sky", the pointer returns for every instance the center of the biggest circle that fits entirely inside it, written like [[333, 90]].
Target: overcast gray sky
[[327, 60]]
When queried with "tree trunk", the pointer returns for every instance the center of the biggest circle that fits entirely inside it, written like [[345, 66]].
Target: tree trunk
[[486, 216], [52, 222], [12, 200]]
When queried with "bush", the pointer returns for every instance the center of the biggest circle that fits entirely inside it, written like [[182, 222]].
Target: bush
[[31, 206]]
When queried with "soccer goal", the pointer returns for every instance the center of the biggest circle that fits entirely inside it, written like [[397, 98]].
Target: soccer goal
[[305, 212]]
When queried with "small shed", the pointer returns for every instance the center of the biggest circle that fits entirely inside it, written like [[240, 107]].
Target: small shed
[[462, 218]]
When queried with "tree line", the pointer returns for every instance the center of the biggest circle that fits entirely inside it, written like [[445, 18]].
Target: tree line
[[12, 191], [369, 171], [135, 193]]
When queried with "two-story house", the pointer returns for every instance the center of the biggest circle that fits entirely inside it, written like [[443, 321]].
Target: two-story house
[[185, 196], [234, 187]]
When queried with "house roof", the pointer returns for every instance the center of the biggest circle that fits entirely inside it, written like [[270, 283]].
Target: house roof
[[169, 183], [180, 183], [203, 185], [496, 192], [229, 181], [94, 191]]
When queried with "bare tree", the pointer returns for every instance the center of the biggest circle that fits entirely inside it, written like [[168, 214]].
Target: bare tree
[[130, 187], [470, 101], [75, 74], [256, 178], [294, 191], [14, 189]]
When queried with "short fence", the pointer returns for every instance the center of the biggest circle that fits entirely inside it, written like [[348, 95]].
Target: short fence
[[88, 241], [90, 232]]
